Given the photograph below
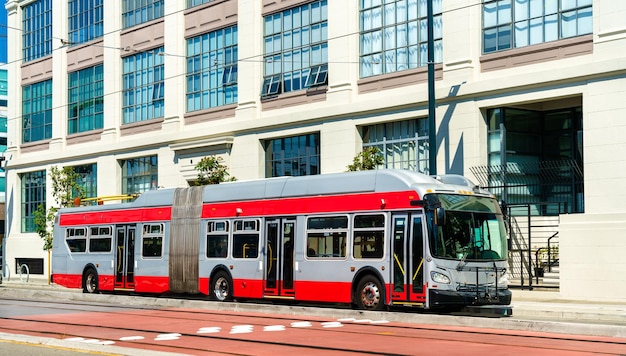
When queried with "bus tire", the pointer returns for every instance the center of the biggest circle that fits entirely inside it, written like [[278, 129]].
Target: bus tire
[[370, 294], [90, 281], [222, 287]]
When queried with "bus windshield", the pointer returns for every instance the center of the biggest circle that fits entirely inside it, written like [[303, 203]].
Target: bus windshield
[[473, 230]]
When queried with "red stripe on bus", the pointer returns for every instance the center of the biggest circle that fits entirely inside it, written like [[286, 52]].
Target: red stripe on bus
[[317, 204], [116, 216], [269, 207]]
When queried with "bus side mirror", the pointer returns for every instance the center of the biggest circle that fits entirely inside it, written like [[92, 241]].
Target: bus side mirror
[[440, 216]]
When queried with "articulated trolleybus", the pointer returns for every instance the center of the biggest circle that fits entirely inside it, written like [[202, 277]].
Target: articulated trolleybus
[[371, 239]]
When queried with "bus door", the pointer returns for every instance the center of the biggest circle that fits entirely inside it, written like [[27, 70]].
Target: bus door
[[279, 258], [408, 260], [125, 257]]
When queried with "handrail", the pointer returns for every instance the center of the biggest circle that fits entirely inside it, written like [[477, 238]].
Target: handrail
[[24, 265], [550, 251]]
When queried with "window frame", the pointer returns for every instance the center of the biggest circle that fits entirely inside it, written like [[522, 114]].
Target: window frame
[[88, 92], [71, 235], [386, 35], [147, 167], [221, 236], [314, 235], [507, 18], [241, 232], [91, 17], [143, 88], [147, 10], [148, 234], [295, 41], [33, 194], [379, 234], [37, 124], [212, 66], [37, 43], [100, 234]]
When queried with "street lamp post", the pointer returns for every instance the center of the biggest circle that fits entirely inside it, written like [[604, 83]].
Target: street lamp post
[[432, 130]]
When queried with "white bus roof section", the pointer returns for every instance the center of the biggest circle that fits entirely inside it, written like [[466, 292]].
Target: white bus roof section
[[382, 180]]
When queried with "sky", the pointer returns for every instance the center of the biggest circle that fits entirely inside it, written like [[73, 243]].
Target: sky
[[3, 33]]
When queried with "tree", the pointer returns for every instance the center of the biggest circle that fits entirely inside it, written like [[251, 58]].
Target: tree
[[368, 159], [65, 187], [211, 170]]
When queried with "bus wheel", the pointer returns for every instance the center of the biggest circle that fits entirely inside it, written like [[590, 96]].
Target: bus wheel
[[90, 281], [370, 294], [222, 287]]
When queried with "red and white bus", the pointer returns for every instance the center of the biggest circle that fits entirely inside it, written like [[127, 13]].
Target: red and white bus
[[370, 239]]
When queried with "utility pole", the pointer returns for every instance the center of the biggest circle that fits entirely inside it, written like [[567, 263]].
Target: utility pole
[[432, 129]]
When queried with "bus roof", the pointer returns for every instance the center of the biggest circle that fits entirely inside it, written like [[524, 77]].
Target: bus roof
[[382, 180]]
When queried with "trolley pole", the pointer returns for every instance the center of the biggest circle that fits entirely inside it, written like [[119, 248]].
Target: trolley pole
[[432, 130]]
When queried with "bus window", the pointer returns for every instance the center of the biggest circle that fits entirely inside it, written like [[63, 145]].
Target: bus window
[[100, 238], [368, 236], [246, 238], [152, 241], [76, 239], [217, 239], [326, 236]]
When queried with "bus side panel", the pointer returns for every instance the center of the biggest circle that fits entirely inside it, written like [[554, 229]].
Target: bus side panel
[[247, 288], [326, 292], [106, 282], [151, 284], [68, 280]]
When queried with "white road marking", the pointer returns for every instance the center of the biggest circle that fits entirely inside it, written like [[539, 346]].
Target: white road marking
[[301, 324], [165, 337], [241, 329], [274, 328], [332, 324], [209, 330], [131, 338]]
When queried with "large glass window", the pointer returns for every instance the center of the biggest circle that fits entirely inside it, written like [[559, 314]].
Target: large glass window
[[404, 144], [143, 86], [37, 30], [296, 49], [536, 159], [37, 111], [212, 69], [512, 24], [88, 179], [76, 239], [369, 236], [394, 35], [217, 239], [326, 237], [152, 241], [86, 20], [100, 238], [33, 195], [85, 99], [246, 235], [192, 3], [293, 156], [135, 12], [139, 174]]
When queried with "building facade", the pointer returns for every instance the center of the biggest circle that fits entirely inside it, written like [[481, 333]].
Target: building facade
[[529, 96]]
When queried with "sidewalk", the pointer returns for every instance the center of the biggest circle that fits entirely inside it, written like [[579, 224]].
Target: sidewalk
[[549, 305], [532, 309]]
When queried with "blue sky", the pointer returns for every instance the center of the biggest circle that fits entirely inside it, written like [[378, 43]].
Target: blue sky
[[3, 33]]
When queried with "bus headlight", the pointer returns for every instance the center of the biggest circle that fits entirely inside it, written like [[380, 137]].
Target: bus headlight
[[503, 280], [439, 277]]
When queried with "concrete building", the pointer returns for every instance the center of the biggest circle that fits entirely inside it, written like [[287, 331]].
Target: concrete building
[[529, 101]]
